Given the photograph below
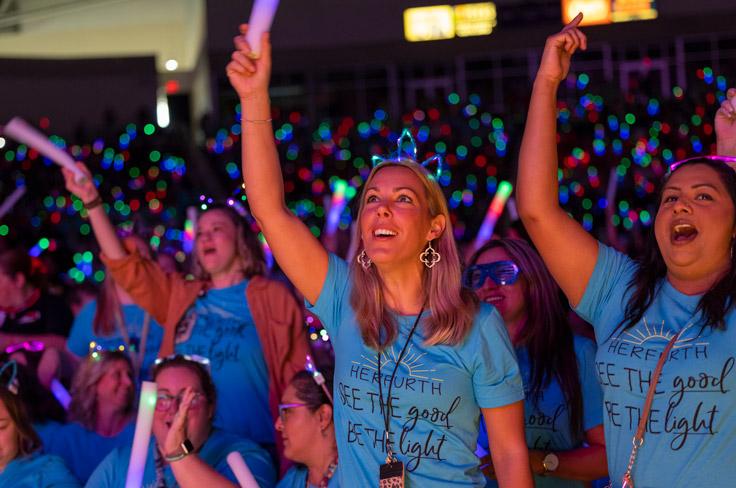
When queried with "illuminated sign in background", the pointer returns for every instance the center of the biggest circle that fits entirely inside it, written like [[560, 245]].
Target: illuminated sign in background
[[446, 21], [608, 11]]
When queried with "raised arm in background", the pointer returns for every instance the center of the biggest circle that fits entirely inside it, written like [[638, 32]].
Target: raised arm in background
[[555, 234], [101, 225], [297, 251]]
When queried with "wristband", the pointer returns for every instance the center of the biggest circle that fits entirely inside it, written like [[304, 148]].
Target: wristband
[[186, 447], [96, 202]]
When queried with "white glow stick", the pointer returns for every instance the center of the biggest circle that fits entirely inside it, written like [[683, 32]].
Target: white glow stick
[[240, 470], [142, 437], [19, 130], [12, 199], [261, 18], [61, 394]]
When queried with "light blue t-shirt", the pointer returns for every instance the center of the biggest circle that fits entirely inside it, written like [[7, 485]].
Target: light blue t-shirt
[[436, 396], [691, 432], [37, 471], [296, 477], [112, 471], [547, 422], [82, 334], [219, 326], [80, 448]]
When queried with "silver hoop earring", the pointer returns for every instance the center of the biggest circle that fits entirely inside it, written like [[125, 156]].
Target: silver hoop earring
[[364, 260], [430, 257]]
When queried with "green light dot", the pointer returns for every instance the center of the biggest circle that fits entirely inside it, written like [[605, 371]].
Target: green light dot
[[630, 119], [87, 257], [43, 243], [99, 276], [155, 156], [453, 98], [149, 129], [4, 229], [84, 229]]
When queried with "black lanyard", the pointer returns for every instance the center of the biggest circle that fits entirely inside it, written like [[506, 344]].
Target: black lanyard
[[386, 412]]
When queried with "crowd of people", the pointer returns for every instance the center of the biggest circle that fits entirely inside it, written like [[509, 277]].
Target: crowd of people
[[512, 363]]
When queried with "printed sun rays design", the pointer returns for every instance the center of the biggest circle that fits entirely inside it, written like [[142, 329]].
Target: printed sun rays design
[[650, 332], [412, 361]]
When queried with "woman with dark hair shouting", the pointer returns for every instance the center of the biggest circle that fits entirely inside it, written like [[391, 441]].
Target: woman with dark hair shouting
[[665, 325]]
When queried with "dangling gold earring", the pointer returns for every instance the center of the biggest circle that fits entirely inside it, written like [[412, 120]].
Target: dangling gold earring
[[430, 257]]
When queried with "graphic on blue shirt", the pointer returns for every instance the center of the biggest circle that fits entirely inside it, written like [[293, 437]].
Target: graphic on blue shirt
[[80, 448], [692, 428], [37, 471], [112, 471], [436, 394], [82, 334], [219, 326], [547, 422]]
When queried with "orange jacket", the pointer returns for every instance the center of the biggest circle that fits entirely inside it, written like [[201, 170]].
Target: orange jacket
[[167, 296]]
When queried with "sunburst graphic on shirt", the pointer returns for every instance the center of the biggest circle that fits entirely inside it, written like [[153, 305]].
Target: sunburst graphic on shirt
[[412, 362], [660, 332]]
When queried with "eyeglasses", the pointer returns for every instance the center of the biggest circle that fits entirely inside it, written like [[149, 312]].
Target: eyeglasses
[[285, 407], [31, 346], [501, 272], [729, 161], [164, 401]]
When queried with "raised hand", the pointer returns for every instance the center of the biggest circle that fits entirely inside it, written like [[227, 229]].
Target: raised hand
[[558, 50], [725, 121], [178, 430], [249, 77], [85, 190]]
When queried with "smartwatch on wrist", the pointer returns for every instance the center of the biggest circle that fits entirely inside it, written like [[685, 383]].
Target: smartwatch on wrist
[[550, 463], [186, 448]]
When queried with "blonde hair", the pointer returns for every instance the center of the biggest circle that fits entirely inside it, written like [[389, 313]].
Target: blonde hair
[[247, 248], [83, 407], [452, 307]]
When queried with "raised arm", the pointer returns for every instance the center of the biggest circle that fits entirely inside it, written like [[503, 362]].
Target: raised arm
[[101, 225], [567, 249], [726, 125], [298, 252]]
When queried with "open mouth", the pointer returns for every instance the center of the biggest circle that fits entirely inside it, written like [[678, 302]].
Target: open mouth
[[384, 233], [683, 233], [209, 251], [493, 299]]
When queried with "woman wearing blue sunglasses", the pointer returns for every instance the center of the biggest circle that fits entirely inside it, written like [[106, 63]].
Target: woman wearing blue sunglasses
[[564, 405], [665, 325]]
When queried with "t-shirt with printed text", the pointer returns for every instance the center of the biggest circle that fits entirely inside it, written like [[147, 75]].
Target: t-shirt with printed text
[[219, 326], [691, 432], [436, 396]]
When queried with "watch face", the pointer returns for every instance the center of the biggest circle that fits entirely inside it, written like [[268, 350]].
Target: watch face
[[551, 462], [187, 446]]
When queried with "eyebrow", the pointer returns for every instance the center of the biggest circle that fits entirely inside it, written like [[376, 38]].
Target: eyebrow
[[699, 185], [395, 190]]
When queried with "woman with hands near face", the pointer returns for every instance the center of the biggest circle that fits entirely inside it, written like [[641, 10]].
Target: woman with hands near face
[[186, 451]]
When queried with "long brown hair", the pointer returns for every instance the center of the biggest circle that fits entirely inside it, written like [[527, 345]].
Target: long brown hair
[[452, 307], [28, 440], [546, 333]]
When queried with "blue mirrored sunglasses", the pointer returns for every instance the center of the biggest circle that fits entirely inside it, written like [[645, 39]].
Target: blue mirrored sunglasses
[[501, 272]]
